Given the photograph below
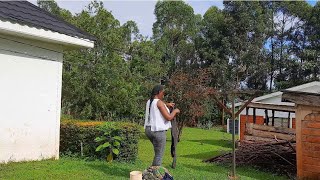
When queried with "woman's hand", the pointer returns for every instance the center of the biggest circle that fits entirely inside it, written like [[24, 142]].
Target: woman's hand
[[168, 116], [176, 111]]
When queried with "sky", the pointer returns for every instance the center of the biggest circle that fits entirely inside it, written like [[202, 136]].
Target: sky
[[137, 10], [140, 11]]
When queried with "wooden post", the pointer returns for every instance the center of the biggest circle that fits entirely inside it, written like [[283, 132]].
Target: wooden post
[[266, 117], [223, 113], [272, 117], [288, 119], [247, 114], [254, 115], [233, 140], [233, 114]]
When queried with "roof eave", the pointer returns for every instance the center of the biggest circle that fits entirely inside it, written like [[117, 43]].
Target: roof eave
[[279, 93], [68, 42]]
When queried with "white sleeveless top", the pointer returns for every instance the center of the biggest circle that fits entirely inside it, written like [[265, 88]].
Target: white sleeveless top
[[157, 121]]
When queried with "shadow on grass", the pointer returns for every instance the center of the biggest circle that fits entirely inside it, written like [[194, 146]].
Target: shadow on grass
[[215, 142], [111, 170], [205, 155]]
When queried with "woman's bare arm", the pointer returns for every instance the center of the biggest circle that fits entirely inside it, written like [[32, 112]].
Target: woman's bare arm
[[165, 113]]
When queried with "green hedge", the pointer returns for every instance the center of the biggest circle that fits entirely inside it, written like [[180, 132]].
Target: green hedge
[[73, 133]]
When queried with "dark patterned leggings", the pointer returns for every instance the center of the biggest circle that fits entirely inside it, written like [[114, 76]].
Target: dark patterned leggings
[[158, 140]]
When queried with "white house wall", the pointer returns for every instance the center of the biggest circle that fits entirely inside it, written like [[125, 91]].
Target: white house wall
[[30, 95]]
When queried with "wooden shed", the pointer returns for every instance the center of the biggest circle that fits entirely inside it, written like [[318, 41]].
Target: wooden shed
[[307, 109], [271, 111]]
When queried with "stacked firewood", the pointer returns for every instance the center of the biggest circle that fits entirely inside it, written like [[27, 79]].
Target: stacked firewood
[[260, 133], [278, 157], [266, 148]]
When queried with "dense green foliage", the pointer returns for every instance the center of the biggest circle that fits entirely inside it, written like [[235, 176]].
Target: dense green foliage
[[109, 142], [78, 138], [196, 145], [265, 45]]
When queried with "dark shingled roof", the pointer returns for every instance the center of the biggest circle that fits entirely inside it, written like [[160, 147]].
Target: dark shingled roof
[[26, 13]]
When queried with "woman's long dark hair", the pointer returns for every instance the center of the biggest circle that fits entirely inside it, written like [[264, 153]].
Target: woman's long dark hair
[[156, 90]]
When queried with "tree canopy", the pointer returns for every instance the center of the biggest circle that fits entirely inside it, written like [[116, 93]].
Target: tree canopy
[[266, 45]]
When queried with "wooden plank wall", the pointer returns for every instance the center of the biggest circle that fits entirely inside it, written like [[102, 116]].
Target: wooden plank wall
[[259, 120]]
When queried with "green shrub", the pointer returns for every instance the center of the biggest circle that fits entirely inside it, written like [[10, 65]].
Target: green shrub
[[75, 133]]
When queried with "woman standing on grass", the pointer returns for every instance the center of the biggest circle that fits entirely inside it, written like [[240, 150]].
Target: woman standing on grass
[[157, 122]]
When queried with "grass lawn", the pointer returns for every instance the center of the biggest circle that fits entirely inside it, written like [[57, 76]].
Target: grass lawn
[[195, 146]]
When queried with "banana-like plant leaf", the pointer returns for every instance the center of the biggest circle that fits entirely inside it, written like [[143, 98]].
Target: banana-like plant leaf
[[107, 144], [110, 157], [117, 138], [116, 143], [99, 148], [115, 151], [99, 139]]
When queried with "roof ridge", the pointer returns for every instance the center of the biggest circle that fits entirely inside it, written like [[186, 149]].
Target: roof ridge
[[53, 19], [304, 85], [36, 20], [56, 17], [26, 13], [59, 18]]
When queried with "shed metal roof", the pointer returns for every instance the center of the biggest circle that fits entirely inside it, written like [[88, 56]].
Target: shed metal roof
[[26, 13], [301, 88]]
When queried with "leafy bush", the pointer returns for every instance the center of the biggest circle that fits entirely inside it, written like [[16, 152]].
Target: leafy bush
[[109, 142], [205, 124], [78, 138]]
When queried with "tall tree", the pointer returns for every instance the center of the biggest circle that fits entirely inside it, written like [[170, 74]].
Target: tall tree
[[246, 35], [52, 7], [174, 32], [98, 82], [211, 46], [146, 65], [312, 50], [291, 43]]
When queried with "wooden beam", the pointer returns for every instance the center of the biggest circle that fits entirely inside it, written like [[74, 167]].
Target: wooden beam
[[289, 120], [282, 130], [266, 117], [272, 117], [254, 115], [222, 105], [284, 108], [309, 99], [272, 135], [244, 106], [258, 139], [247, 114]]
